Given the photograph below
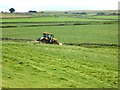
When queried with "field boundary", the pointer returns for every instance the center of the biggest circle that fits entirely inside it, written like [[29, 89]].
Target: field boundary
[[69, 44], [93, 44], [54, 22], [14, 39], [64, 23]]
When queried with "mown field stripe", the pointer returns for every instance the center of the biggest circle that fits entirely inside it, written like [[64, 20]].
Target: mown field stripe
[[75, 73]]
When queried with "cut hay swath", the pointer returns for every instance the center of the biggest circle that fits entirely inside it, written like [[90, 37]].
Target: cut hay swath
[[71, 44]]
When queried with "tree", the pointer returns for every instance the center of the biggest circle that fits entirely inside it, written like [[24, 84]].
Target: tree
[[12, 10], [83, 13], [32, 11], [42, 12], [2, 12], [113, 14], [100, 13], [66, 12]]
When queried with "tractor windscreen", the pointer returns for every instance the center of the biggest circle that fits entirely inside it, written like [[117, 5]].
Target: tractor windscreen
[[44, 35]]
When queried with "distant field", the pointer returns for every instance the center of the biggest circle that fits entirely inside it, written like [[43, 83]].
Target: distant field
[[42, 19], [75, 34], [29, 65], [9, 15], [47, 19], [106, 17]]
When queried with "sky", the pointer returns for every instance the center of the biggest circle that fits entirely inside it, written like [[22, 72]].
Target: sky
[[57, 5]]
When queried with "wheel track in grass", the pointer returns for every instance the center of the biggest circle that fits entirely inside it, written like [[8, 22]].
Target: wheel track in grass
[[36, 65], [85, 75], [32, 62], [41, 58]]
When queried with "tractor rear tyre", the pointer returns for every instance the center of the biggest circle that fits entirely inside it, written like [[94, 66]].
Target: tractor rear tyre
[[55, 42], [44, 41]]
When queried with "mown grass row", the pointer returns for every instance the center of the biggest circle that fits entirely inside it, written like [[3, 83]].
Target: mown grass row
[[34, 65]]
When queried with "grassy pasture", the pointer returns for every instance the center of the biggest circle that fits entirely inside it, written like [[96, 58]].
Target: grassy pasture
[[73, 34], [29, 65], [48, 19], [106, 17], [42, 19], [9, 15]]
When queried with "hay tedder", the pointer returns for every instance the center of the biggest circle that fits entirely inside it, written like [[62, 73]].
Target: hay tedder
[[47, 38]]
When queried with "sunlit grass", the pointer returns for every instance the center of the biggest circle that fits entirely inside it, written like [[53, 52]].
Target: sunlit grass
[[39, 66]]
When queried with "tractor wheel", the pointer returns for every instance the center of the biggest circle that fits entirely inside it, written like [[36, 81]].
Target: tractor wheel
[[44, 41], [55, 42], [38, 39]]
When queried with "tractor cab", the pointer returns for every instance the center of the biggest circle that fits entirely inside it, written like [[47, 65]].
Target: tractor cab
[[48, 35]]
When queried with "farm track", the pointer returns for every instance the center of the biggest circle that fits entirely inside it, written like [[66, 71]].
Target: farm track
[[71, 44]]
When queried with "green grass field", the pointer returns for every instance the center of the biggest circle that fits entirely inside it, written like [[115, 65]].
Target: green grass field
[[33, 65], [106, 17], [48, 19], [73, 34]]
